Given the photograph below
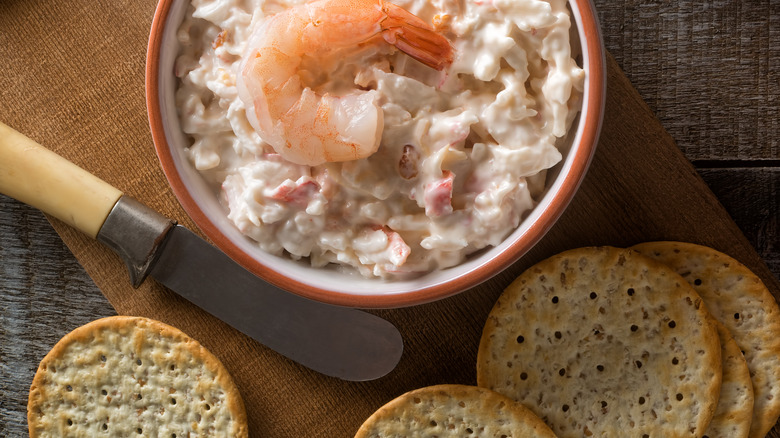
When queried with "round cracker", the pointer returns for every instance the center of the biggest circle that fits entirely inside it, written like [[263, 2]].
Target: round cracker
[[735, 408], [739, 300], [604, 342], [453, 411], [132, 376]]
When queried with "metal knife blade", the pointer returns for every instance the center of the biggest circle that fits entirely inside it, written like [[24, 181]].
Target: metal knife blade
[[341, 342], [337, 341]]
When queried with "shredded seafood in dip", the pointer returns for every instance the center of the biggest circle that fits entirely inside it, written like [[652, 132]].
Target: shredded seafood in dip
[[461, 151]]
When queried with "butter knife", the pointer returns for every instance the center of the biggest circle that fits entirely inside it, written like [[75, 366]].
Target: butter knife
[[346, 343]]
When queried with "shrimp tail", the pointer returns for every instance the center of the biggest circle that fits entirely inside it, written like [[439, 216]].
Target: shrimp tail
[[415, 37]]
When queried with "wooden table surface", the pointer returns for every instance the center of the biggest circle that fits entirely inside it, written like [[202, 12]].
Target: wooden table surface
[[709, 70]]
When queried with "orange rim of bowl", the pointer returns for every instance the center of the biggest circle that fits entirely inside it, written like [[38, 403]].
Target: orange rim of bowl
[[592, 126]]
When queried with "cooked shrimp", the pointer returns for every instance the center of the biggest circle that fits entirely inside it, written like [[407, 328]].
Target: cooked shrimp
[[304, 126]]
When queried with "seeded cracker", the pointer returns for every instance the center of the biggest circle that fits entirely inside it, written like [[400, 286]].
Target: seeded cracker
[[129, 376], [735, 408], [740, 301], [604, 342], [450, 411]]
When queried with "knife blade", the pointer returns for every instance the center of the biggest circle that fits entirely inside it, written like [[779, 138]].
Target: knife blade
[[346, 343]]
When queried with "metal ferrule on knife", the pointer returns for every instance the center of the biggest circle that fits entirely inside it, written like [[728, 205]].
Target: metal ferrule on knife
[[136, 233]]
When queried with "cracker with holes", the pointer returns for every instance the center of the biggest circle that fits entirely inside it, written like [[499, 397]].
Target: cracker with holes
[[735, 408], [604, 342], [445, 411], [739, 300], [130, 376]]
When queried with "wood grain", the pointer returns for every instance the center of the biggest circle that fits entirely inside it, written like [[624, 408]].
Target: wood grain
[[44, 294], [707, 72], [752, 198]]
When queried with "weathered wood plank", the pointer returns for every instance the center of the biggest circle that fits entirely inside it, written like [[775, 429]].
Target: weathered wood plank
[[752, 198], [710, 71], [44, 294]]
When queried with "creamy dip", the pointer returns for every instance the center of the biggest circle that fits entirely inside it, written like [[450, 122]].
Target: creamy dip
[[463, 153]]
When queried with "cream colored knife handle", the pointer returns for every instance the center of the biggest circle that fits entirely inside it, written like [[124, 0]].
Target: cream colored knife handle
[[37, 176]]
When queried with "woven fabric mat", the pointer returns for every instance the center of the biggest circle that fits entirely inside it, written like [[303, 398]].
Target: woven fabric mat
[[73, 80]]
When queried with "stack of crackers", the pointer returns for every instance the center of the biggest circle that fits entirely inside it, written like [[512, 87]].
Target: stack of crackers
[[664, 339]]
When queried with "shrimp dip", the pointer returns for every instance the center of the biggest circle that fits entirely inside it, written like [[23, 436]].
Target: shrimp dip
[[389, 139]]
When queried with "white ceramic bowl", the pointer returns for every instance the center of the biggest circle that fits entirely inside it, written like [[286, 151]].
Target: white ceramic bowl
[[330, 285]]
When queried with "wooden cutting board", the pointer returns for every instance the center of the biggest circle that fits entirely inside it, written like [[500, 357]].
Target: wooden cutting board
[[75, 84]]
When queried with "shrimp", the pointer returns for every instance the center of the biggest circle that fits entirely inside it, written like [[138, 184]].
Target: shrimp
[[311, 128]]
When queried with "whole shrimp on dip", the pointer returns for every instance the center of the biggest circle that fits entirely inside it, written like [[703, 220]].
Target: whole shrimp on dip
[[387, 138]]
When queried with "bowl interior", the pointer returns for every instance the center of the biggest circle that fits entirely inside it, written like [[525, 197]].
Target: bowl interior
[[332, 285]]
